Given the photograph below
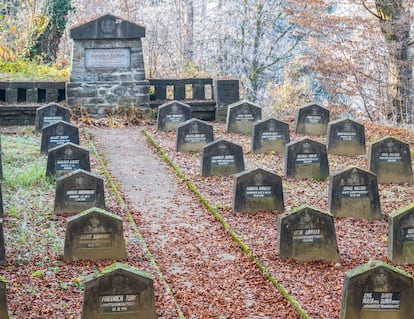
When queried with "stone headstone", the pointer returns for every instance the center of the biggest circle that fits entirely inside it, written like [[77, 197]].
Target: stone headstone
[[171, 114], [226, 92], [192, 135], [257, 189], [312, 119], [94, 234], [58, 133], [107, 69], [78, 191], [353, 192], [401, 235], [307, 234], [390, 159], [67, 158], [241, 116], [49, 114], [221, 157], [346, 137], [269, 136], [4, 313], [306, 158], [377, 291], [121, 292]]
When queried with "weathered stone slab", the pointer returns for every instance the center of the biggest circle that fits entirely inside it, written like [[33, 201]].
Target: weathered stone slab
[[390, 159], [192, 135], [67, 158], [270, 135], [121, 292], [226, 92], [307, 234], [4, 314], [171, 114], [306, 158], [312, 119], [49, 114], [353, 192], [94, 234], [1, 203], [256, 190], [377, 291], [346, 137], [78, 191], [401, 235], [221, 157], [58, 133], [2, 244], [241, 115]]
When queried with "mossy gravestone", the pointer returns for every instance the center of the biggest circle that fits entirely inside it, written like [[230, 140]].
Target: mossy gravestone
[[58, 133], [192, 135], [346, 137], [4, 314], [221, 157], [241, 116], [256, 190], [78, 191], [171, 114], [354, 193], [401, 235], [312, 119], [377, 291], [307, 234], [94, 234], [269, 136], [67, 158], [390, 159], [49, 114], [121, 292], [306, 158]]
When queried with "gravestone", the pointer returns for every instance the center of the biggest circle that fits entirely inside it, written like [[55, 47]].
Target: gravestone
[[1, 203], [226, 92], [49, 114], [306, 233], [58, 133], [377, 291], [107, 70], [306, 158], [94, 234], [4, 313], [2, 244], [353, 192], [221, 157], [171, 114], [192, 135], [241, 115], [120, 292], [269, 136], [401, 235], [390, 159], [78, 191], [346, 137], [257, 189], [67, 158], [312, 119]]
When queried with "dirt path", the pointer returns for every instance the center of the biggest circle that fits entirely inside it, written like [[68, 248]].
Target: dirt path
[[208, 273]]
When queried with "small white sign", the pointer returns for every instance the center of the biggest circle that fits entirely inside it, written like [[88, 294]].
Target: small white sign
[[108, 58]]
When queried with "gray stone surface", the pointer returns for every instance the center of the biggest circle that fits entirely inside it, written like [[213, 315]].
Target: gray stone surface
[[58, 133], [172, 114], [226, 92], [305, 158], [353, 192], [241, 115], [121, 292], [257, 189], [312, 119], [377, 291], [306, 233], [1, 203], [390, 159], [49, 114], [78, 191], [94, 234], [346, 137], [2, 244], [221, 157], [270, 135], [401, 235], [192, 135]]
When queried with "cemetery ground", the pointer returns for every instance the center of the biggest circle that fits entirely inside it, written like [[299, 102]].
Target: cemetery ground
[[207, 261]]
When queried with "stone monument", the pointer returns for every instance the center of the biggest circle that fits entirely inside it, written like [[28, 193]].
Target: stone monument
[[346, 137], [270, 135], [58, 133], [241, 115], [171, 114], [49, 114], [312, 119], [192, 135]]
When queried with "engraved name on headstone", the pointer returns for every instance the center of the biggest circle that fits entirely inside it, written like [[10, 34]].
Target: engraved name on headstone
[[171, 114], [241, 115], [346, 137], [107, 58], [49, 114], [58, 133], [312, 119], [192, 135], [270, 135], [401, 235]]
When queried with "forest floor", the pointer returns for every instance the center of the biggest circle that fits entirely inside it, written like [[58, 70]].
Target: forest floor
[[207, 261]]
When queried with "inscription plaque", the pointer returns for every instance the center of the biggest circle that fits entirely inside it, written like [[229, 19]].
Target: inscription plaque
[[58, 140], [354, 191], [94, 240], [346, 136], [119, 303], [390, 157], [108, 58], [80, 195], [47, 120], [258, 191], [66, 165], [195, 138], [307, 159], [381, 300], [271, 136], [408, 235], [222, 160], [313, 119], [307, 236]]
